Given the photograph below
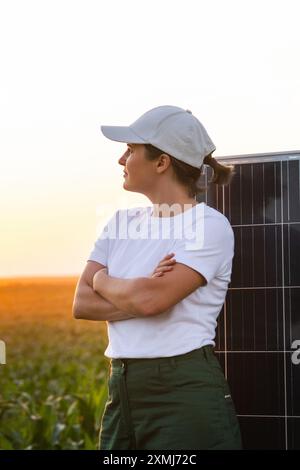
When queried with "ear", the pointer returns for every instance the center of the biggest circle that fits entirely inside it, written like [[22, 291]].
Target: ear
[[163, 162]]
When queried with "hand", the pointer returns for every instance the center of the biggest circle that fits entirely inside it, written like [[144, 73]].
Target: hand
[[97, 277], [166, 264]]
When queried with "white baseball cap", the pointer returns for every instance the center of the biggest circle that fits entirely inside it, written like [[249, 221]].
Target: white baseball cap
[[174, 130]]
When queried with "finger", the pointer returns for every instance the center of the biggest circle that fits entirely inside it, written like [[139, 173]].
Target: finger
[[169, 255], [167, 262], [157, 274], [163, 269]]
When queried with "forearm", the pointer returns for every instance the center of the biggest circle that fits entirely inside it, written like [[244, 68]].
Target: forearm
[[92, 306], [128, 295]]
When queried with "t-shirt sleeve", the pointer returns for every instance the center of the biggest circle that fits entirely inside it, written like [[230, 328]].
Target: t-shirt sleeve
[[214, 248], [100, 250]]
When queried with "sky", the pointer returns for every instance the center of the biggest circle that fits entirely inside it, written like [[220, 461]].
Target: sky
[[68, 67]]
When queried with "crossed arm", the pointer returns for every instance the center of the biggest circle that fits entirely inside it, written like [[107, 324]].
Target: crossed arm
[[138, 297], [88, 304], [144, 296]]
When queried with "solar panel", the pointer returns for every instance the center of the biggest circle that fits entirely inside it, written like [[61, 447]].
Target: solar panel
[[259, 325]]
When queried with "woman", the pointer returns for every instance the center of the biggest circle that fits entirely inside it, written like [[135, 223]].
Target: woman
[[166, 387]]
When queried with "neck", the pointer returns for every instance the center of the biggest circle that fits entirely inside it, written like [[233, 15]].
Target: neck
[[169, 199], [171, 207]]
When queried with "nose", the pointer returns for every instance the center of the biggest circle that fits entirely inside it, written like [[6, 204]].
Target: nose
[[122, 160]]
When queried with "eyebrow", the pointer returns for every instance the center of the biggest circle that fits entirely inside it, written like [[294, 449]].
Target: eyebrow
[[130, 145]]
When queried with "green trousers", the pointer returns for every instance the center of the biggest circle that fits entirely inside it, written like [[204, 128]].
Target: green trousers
[[169, 403]]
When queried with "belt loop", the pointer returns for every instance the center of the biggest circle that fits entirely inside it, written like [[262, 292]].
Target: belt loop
[[123, 366], [205, 353]]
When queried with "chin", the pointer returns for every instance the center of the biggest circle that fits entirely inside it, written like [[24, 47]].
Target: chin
[[125, 186], [131, 189]]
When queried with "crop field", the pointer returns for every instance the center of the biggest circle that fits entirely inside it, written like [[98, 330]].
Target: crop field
[[53, 386]]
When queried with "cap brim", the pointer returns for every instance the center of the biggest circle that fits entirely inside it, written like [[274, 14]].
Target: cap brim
[[121, 134]]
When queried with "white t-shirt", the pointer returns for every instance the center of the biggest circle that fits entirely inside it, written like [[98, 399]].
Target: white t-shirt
[[132, 244]]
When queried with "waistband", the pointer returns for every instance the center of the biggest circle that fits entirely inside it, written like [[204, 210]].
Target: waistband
[[206, 352]]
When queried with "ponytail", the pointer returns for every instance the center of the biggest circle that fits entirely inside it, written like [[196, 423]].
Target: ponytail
[[222, 174], [190, 176]]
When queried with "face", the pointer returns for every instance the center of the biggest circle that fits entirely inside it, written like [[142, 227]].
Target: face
[[138, 170]]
